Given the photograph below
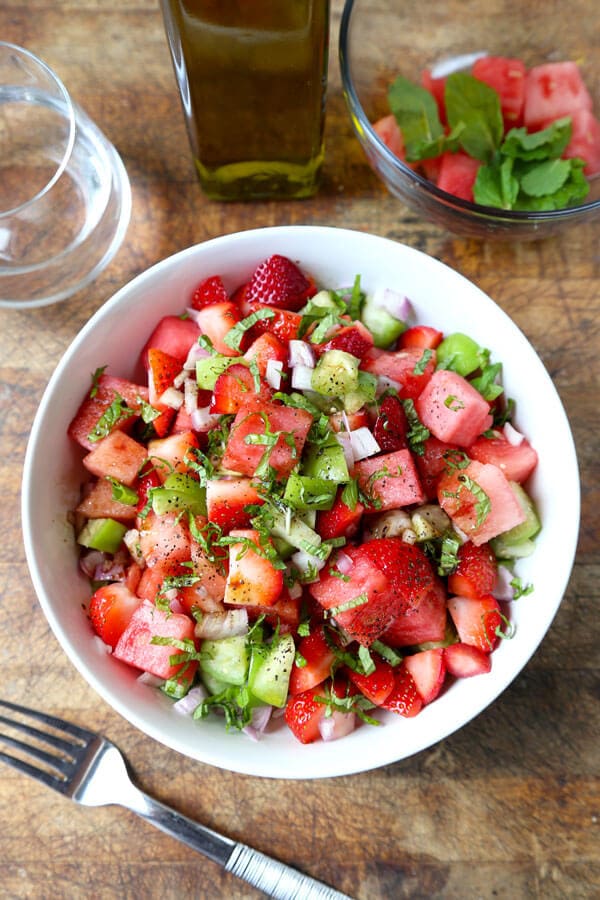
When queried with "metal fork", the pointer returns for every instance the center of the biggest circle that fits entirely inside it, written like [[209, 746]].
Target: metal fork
[[91, 770]]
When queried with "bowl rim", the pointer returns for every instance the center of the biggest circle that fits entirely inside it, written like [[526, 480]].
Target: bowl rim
[[313, 764], [476, 209]]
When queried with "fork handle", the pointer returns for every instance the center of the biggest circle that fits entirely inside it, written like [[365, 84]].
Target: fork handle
[[264, 873]]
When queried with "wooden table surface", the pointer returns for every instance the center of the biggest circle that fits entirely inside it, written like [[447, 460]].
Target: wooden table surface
[[508, 807]]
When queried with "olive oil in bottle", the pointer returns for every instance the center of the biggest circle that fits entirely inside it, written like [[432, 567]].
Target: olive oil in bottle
[[252, 77]]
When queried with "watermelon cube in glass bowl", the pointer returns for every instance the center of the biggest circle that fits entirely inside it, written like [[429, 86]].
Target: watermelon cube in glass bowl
[[411, 720], [541, 70]]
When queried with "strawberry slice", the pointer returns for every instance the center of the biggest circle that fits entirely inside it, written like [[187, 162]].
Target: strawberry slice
[[162, 370], [340, 520], [265, 347], [317, 658], [463, 660], [404, 698], [111, 608], [476, 621], [227, 500], [429, 671], [423, 336], [354, 339], [234, 387], [215, 321], [285, 324], [391, 425], [378, 685], [279, 282], [252, 578], [407, 568], [303, 714], [211, 290], [475, 574]]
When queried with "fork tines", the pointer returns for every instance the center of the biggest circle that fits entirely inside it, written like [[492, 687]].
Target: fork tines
[[58, 754]]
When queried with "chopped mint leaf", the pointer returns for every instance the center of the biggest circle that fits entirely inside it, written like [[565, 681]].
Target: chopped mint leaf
[[234, 336]]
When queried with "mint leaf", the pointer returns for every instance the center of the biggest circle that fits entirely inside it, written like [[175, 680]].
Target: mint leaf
[[575, 189], [495, 185], [475, 106], [546, 144], [545, 177], [417, 115]]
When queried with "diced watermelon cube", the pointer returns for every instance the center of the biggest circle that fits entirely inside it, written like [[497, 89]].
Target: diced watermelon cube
[[93, 407], [426, 621], [100, 504], [174, 336], [480, 501], [405, 367], [292, 424], [437, 87], [507, 77], [118, 456], [585, 141], [391, 479], [517, 461], [388, 131], [452, 410], [457, 174], [553, 90], [135, 645]]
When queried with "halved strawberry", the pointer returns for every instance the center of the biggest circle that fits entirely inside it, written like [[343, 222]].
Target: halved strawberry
[[215, 321], [316, 658], [475, 573], [265, 347], [165, 538], [172, 453], [426, 621], [153, 577], [378, 685], [279, 282], [285, 324], [303, 714], [340, 520], [354, 339], [227, 500], [211, 290], [423, 336], [476, 621], [429, 671], [391, 425], [464, 660], [162, 371], [404, 698], [111, 608], [234, 387], [252, 578]]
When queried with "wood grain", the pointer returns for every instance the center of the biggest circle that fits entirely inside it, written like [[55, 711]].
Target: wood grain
[[508, 807]]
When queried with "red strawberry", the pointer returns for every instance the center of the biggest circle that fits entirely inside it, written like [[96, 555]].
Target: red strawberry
[[354, 339], [423, 336], [407, 568], [391, 425], [463, 660], [285, 324], [265, 347], [162, 370], [404, 698], [476, 620], [111, 609], [303, 714], [377, 686], [212, 290], [279, 282], [475, 574], [428, 670], [317, 658], [340, 520]]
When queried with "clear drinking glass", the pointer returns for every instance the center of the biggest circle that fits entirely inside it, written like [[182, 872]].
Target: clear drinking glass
[[65, 198], [252, 78]]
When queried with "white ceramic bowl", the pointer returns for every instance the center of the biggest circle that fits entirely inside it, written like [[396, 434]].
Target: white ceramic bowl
[[115, 335]]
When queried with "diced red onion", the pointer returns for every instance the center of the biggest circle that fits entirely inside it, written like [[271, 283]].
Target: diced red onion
[[302, 377], [273, 373], [304, 562], [171, 398], [386, 384], [187, 704], [344, 563], [150, 679], [337, 725], [295, 590], [513, 436], [195, 353], [89, 562], [98, 643], [345, 441], [214, 626], [301, 353], [363, 443], [190, 395], [131, 539], [393, 302], [203, 419], [462, 535], [176, 606], [503, 589], [180, 379], [258, 723], [110, 571]]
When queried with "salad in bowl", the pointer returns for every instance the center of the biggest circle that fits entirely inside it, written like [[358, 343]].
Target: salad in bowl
[[308, 504]]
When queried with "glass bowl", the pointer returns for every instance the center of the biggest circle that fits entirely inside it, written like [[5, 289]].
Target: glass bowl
[[380, 41]]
